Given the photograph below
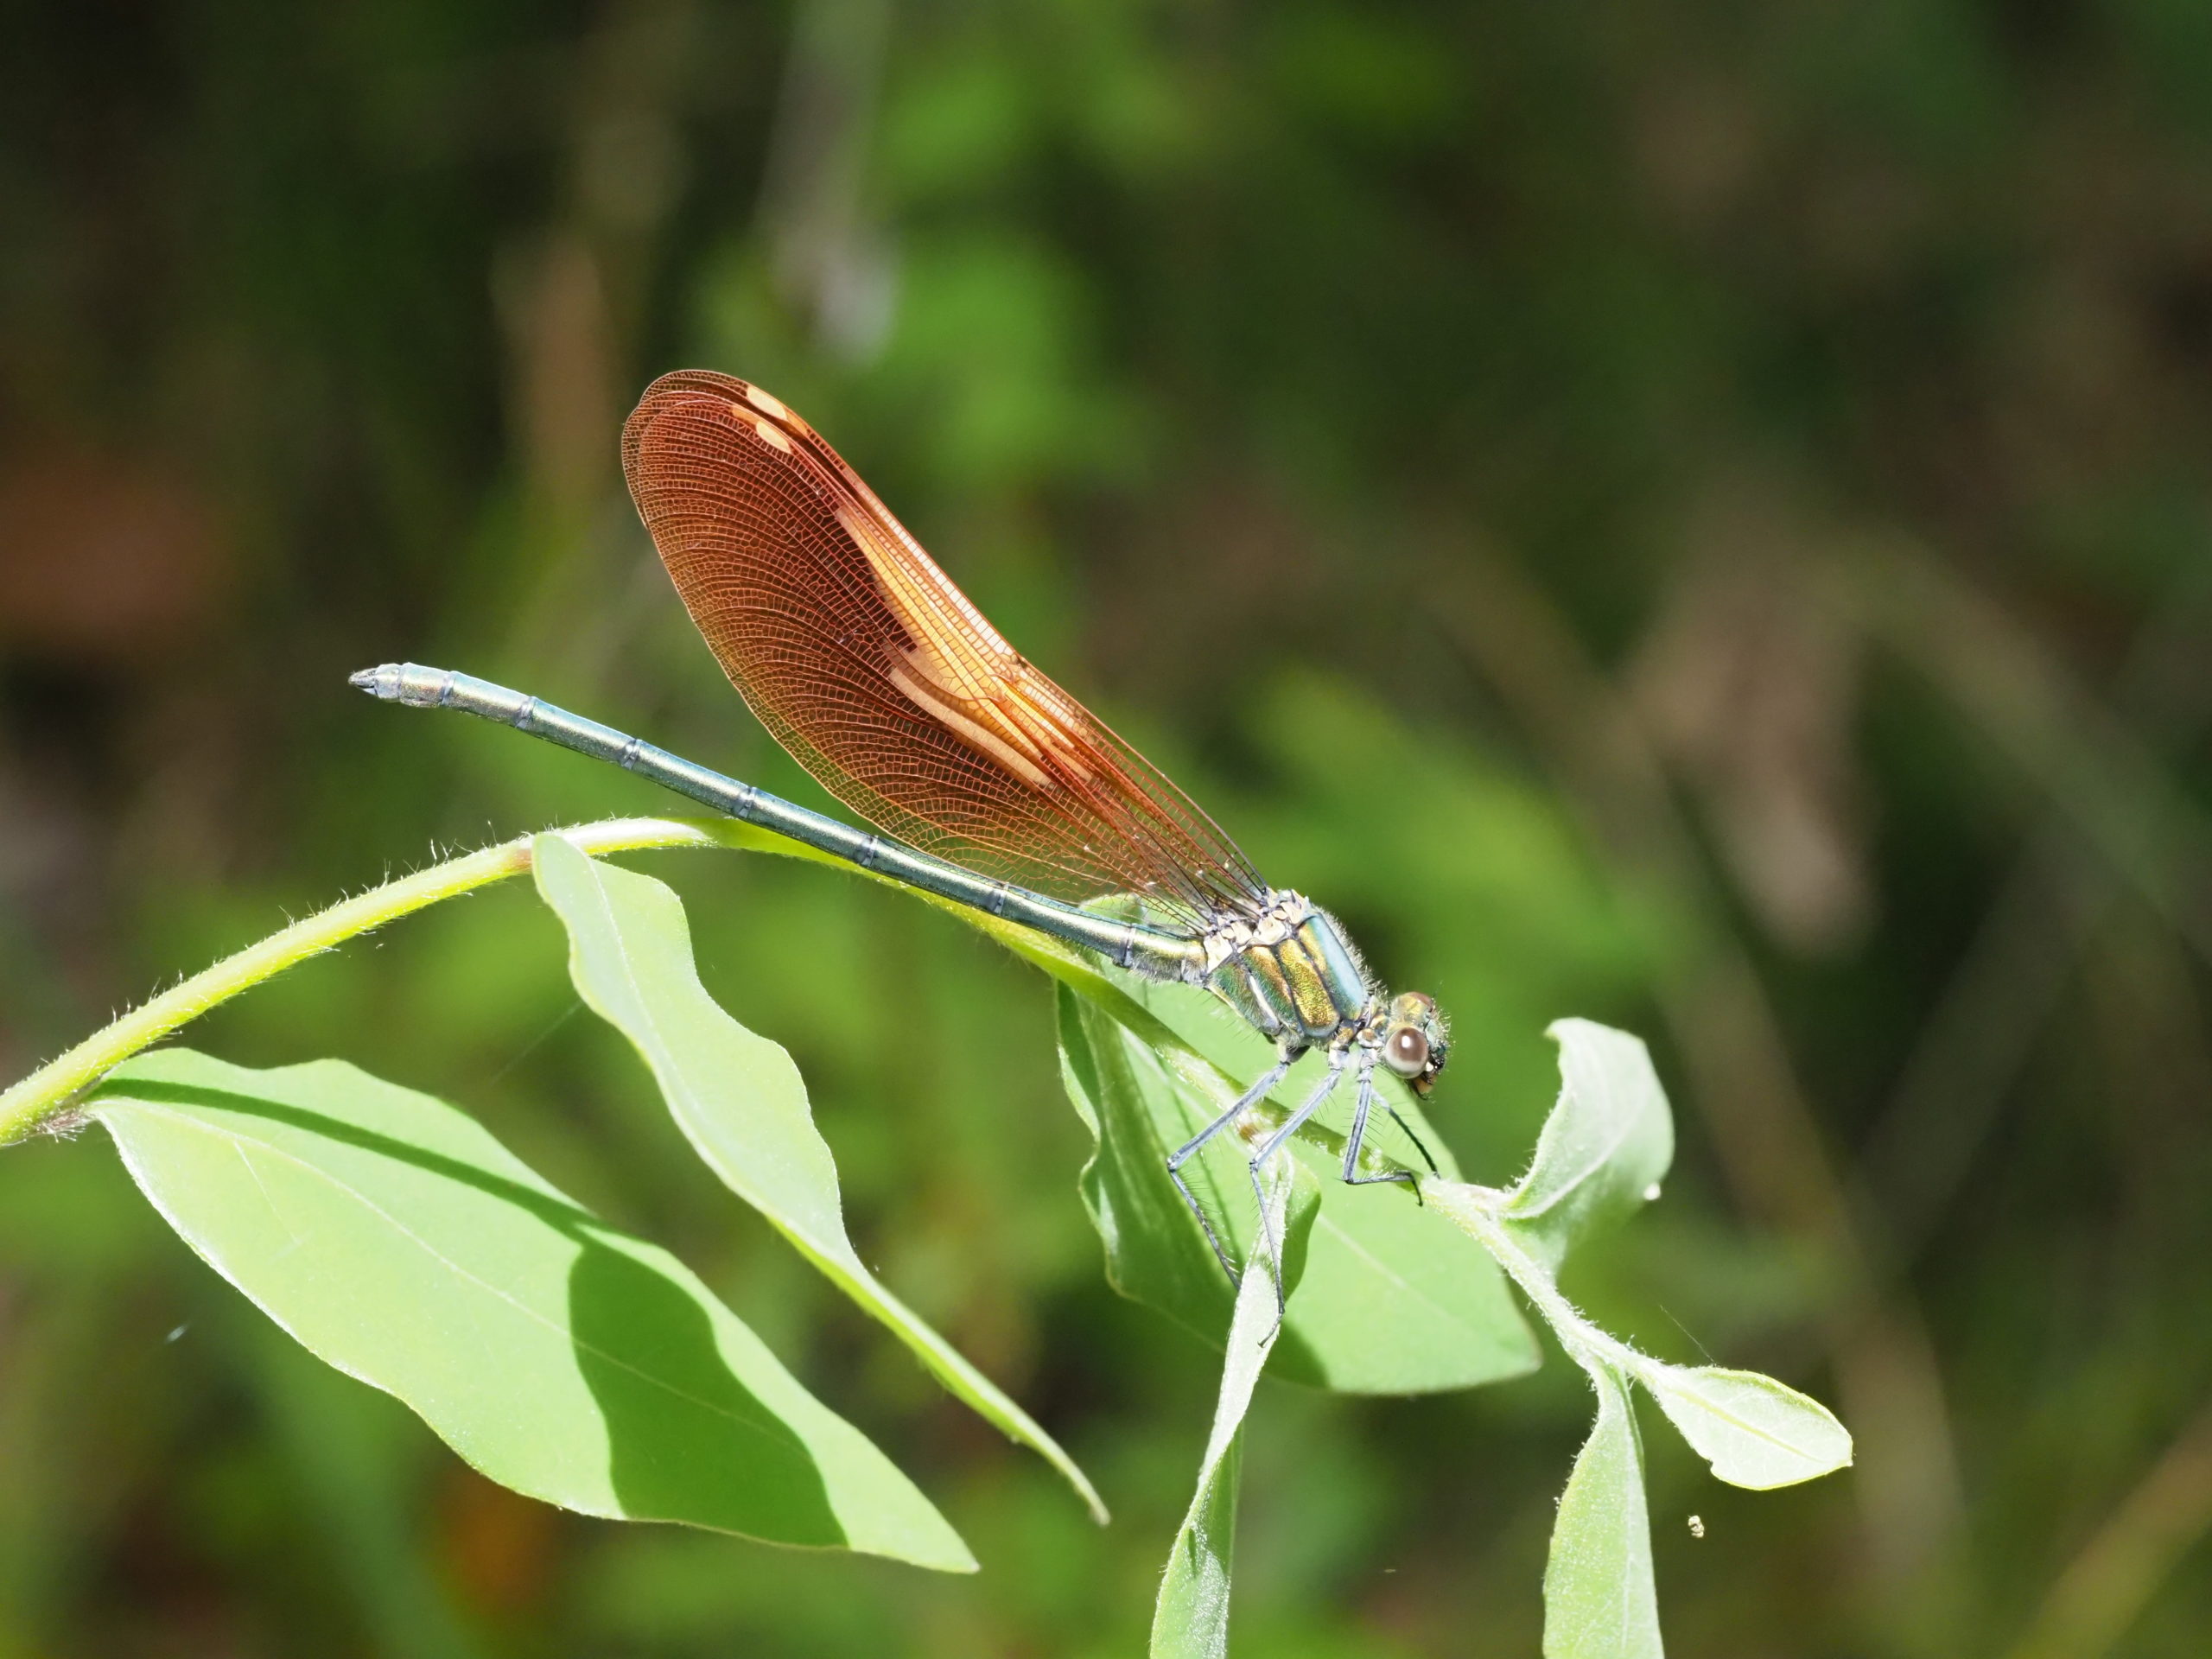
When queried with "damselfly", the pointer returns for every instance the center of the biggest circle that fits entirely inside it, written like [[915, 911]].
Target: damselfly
[[986, 783]]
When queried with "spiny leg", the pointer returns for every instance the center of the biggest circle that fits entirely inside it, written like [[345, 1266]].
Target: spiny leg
[[1411, 1136], [1291, 1125], [1286, 1058], [1352, 1177]]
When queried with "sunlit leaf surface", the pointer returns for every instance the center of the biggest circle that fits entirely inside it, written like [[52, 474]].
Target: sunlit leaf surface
[[1754, 1431], [1190, 1619], [740, 1100], [395, 1238], [1604, 1149], [1599, 1598]]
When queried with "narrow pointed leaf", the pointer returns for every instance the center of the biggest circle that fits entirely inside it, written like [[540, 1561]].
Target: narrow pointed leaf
[[1753, 1430], [740, 1101], [1604, 1149], [1600, 1601], [1395, 1299], [1190, 1619], [396, 1239]]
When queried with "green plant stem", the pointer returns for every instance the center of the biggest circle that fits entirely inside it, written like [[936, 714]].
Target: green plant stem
[[39, 1097], [1474, 1209]]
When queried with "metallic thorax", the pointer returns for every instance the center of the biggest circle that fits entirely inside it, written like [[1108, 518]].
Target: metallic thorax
[[1290, 972], [1292, 975]]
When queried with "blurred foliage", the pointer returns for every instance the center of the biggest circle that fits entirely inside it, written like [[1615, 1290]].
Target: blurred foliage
[[1696, 517]]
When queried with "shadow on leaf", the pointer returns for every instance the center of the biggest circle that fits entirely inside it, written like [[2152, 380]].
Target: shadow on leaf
[[687, 1426]]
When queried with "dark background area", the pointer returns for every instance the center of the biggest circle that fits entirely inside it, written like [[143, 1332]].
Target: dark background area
[[1692, 516]]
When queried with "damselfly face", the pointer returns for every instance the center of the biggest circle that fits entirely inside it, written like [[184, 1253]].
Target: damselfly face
[[1415, 1041]]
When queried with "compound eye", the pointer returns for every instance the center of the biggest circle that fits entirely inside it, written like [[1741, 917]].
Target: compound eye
[[1405, 1051]]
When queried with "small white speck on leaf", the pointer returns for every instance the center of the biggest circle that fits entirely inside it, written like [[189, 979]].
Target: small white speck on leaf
[[174, 1334], [1651, 1193], [1697, 1527]]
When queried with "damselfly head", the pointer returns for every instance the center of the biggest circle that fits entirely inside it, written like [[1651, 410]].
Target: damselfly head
[[1415, 1042]]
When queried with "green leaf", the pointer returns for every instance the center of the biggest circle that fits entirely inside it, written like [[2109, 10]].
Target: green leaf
[[1394, 1300], [1155, 1251], [1190, 1620], [1604, 1148], [398, 1241], [1753, 1430], [1599, 1598], [739, 1101]]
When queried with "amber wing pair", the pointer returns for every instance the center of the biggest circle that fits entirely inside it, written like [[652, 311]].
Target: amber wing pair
[[865, 662]]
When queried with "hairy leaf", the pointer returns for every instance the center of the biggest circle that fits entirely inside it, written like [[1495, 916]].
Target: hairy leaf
[[1753, 1430], [1190, 1619], [1600, 1601], [1604, 1148]]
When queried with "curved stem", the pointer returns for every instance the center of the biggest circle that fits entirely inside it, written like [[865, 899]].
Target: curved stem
[[1472, 1207], [43, 1094]]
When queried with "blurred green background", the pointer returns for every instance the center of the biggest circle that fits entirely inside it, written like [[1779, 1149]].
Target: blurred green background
[[1696, 517]]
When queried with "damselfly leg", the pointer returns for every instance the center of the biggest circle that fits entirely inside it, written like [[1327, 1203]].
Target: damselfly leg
[[1339, 1057], [1272, 1144], [1286, 1058], [1358, 1135]]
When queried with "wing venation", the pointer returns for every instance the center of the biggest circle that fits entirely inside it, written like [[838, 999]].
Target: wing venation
[[865, 662]]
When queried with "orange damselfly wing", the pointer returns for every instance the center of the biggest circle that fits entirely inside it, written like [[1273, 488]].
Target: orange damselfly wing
[[865, 661]]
